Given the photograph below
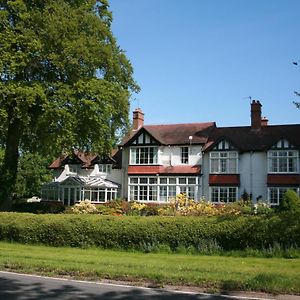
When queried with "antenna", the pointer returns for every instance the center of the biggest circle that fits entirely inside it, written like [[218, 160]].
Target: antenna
[[138, 102], [249, 97]]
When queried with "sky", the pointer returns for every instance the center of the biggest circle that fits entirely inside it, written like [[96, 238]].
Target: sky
[[201, 60]]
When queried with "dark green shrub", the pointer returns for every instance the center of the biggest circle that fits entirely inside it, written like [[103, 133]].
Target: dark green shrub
[[39, 207], [290, 202], [196, 234]]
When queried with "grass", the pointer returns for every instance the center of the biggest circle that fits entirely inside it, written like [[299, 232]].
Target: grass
[[213, 273]]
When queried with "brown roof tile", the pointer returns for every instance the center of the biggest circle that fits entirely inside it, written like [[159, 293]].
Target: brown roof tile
[[246, 139], [175, 134]]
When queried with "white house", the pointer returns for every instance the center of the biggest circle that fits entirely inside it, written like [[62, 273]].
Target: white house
[[157, 162]]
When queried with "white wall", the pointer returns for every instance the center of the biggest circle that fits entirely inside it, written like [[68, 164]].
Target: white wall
[[172, 155], [253, 174]]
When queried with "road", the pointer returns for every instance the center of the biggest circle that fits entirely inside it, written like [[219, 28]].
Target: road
[[24, 287]]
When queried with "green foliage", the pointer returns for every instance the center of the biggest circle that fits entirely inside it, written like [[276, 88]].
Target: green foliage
[[290, 202], [39, 207], [199, 235], [84, 207], [64, 81], [32, 173]]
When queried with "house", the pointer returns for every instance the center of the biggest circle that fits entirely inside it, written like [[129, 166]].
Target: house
[[157, 162], [79, 176]]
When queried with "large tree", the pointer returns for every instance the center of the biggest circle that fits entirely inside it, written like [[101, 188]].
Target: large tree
[[64, 82]]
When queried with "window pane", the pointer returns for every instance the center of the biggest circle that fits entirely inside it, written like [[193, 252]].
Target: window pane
[[143, 193], [191, 180], [133, 180], [163, 180], [143, 180], [163, 193], [172, 180], [182, 180]]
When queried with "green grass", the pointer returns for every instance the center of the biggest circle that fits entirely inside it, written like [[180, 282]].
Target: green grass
[[213, 273]]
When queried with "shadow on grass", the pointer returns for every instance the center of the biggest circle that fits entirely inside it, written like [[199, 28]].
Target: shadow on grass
[[18, 287]]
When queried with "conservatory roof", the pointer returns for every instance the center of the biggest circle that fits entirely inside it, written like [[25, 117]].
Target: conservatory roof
[[85, 181]]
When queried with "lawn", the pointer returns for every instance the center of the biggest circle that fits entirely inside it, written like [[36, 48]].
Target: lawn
[[213, 273]]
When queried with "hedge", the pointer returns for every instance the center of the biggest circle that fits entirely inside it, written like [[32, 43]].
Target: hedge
[[231, 233]]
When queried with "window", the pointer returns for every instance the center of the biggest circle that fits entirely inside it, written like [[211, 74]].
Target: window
[[223, 194], [275, 194], [224, 162], [143, 156], [161, 189], [74, 168], [283, 161], [105, 168], [184, 155]]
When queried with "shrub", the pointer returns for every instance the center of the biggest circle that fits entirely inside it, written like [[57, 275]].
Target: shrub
[[39, 207], [84, 207], [199, 235], [290, 202]]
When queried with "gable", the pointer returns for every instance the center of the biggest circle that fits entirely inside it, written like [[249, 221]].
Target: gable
[[282, 144], [142, 137], [224, 145]]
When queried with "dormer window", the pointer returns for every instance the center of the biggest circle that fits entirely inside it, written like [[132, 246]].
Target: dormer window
[[143, 156], [105, 168], [73, 169]]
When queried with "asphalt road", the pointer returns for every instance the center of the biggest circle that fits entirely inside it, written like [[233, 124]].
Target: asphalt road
[[20, 287]]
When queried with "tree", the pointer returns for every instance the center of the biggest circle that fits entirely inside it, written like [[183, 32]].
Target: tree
[[64, 82]]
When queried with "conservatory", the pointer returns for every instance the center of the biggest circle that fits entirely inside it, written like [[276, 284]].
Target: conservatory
[[77, 188]]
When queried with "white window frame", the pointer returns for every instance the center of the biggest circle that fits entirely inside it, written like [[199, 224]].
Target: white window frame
[[223, 156], [137, 152], [277, 157], [171, 184], [185, 155], [105, 168], [218, 189], [279, 190]]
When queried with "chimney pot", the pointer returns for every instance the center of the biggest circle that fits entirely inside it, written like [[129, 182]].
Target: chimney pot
[[264, 121], [138, 119]]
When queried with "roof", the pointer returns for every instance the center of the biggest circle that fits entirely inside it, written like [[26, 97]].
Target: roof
[[246, 139], [175, 134], [86, 160], [90, 181], [167, 170]]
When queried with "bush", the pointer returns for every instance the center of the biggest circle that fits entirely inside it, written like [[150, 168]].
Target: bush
[[39, 207], [84, 207], [290, 202], [202, 235]]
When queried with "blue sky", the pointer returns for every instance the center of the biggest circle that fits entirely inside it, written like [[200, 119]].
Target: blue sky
[[199, 60]]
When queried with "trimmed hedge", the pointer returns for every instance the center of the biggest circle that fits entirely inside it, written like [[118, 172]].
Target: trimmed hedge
[[146, 233]]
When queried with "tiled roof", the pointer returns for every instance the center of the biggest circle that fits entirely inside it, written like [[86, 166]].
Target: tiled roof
[[283, 179], [246, 139], [175, 134], [86, 160], [164, 170]]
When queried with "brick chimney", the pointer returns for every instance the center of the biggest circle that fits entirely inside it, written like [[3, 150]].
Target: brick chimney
[[264, 122], [138, 119], [255, 115]]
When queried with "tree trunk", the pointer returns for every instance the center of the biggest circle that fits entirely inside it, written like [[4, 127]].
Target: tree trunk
[[9, 169]]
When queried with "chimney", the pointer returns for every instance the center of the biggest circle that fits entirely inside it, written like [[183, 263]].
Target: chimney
[[264, 122], [138, 119], [255, 115]]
